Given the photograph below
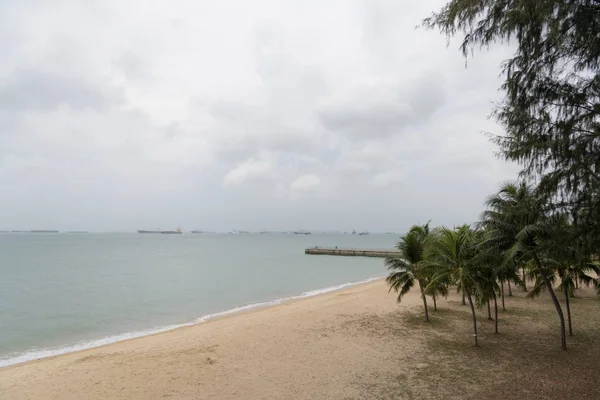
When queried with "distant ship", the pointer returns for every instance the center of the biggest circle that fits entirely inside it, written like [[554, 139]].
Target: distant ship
[[302, 232], [175, 232], [364, 233], [43, 231]]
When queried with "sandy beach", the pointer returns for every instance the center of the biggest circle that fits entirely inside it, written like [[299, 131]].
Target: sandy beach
[[350, 344]]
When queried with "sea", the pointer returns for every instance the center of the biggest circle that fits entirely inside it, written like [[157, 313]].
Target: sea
[[63, 292]]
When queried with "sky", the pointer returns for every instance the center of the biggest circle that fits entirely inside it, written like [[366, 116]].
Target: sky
[[118, 115]]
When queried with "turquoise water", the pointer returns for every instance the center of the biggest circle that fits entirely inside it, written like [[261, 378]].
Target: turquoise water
[[64, 292]]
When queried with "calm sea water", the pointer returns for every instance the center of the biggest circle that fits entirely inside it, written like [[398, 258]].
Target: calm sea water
[[64, 292]]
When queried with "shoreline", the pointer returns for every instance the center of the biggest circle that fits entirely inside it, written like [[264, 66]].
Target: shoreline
[[37, 355], [353, 343]]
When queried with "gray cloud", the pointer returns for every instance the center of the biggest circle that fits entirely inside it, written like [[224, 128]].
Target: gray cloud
[[384, 109], [27, 89], [267, 118]]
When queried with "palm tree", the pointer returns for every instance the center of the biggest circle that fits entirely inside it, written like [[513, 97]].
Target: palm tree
[[407, 268], [515, 224], [513, 207], [451, 258], [532, 241], [568, 258], [440, 287]]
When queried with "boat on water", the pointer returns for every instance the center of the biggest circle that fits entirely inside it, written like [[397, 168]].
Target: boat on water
[[302, 232], [363, 233], [175, 232], [43, 231]]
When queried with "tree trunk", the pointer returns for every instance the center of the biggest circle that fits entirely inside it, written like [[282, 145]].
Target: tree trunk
[[563, 336], [576, 283], [434, 303], [524, 280], [509, 289], [502, 294], [474, 317], [463, 302], [424, 304], [489, 311], [495, 313], [566, 290]]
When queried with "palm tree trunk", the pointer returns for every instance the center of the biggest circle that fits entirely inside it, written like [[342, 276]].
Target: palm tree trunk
[[495, 313], [474, 317], [509, 289], [502, 294], [489, 311], [424, 304], [524, 280], [463, 302], [576, 283], [566, 290], [434, 303], [563, 336]]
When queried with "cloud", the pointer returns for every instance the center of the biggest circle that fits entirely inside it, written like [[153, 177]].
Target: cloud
[[131, 120], [305, 183], [248, 170], [383, 109], [25, 90]]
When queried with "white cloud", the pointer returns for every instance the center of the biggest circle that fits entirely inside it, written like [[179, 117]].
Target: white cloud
[[387, 178], [248, 170], [147, 109], [305, 183]]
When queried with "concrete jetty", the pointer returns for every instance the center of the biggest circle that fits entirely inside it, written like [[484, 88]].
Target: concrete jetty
[[351, 252]]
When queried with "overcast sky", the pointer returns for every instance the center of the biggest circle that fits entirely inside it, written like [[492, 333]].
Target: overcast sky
[[300, 114]]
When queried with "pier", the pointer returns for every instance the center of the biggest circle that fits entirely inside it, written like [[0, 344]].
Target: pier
[[350, 252]]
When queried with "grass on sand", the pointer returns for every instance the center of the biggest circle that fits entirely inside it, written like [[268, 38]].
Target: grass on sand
[[523, 361]]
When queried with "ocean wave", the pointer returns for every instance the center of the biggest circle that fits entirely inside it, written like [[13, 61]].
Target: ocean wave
[[37, 354]]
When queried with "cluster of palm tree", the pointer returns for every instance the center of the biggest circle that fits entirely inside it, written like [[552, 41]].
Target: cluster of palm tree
[[517, 239]]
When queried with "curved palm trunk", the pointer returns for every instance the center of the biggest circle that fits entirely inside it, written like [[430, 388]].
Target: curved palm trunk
[[502, 294], [434, 303], [509, 289], [566, 290], [495, 312], [463, 301], [474, 317], [524, 280], [424, 303], [563, 336], [489, 311]]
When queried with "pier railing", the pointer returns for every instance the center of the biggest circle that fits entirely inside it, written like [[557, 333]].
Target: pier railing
[[351, 252]]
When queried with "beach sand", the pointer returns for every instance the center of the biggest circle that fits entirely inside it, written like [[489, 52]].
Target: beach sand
[[350, 344]]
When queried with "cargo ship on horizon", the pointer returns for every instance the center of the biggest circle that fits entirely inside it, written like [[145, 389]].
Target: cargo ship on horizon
[[175, 232]]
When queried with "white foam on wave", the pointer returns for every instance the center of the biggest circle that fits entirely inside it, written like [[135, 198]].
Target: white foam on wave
[[37, 354]]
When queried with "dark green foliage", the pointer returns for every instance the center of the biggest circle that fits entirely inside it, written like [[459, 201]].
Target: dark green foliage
[[406, 270], [552, 105]]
